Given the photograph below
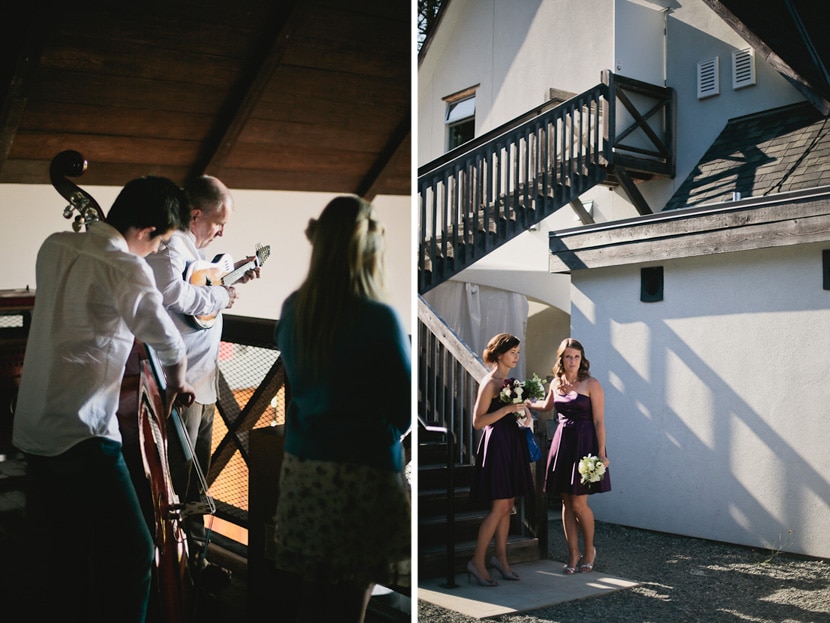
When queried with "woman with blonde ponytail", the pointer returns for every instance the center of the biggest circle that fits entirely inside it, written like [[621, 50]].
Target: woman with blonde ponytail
[[343, 518]]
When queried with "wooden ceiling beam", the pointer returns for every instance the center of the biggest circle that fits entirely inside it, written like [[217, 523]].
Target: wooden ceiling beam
[[244, 99], [15, 95], [398, 146]]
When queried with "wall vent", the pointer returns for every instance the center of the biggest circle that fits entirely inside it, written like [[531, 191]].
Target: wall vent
[[651, 284], [743, 68], [708, 82]]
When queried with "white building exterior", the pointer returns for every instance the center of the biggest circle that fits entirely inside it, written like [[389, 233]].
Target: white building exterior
[[716, 396]]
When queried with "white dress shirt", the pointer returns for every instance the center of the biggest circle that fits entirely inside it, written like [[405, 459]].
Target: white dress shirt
[[183, 301], [93, 297]]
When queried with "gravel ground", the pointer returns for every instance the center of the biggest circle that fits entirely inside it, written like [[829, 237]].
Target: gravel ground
[[683, 580]]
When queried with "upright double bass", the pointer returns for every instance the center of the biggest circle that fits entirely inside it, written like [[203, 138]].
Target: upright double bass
[[143, 416]]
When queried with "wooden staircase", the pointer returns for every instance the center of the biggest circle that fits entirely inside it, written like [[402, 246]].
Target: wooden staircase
[[484, 193], [433, 520]]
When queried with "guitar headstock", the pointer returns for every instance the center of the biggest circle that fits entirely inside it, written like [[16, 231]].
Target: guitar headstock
[[262, 253]]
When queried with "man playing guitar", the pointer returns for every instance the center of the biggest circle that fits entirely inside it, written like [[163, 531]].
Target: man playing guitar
[[212, 207]]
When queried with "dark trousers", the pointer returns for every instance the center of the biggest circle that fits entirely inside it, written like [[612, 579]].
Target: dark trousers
[[92, 552]]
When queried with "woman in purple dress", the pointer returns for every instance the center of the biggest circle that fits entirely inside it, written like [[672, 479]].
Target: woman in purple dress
[[502, 470], [579, 404]]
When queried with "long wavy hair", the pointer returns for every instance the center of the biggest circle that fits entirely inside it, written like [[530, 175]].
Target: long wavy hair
[[348, 262], [559, 367]]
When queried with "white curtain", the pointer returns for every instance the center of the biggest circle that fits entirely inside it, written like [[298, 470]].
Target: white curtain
[[477, 313]]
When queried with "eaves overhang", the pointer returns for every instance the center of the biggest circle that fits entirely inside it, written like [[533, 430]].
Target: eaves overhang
[[798, 217]]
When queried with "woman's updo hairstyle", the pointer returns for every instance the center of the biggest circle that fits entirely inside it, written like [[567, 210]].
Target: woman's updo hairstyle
[[498, 345], [348, 244]]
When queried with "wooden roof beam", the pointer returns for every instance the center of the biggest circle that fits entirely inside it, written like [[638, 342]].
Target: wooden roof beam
[[239, 108], [395, 148], [14, 97]]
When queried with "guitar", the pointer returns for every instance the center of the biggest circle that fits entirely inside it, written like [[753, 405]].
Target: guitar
[[220, 272]]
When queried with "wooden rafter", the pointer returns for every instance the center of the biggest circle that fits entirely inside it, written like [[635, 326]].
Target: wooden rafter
[[239, 110], [397, 147]]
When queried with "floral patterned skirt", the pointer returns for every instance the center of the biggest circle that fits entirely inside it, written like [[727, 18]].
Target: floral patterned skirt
[[339, 522]]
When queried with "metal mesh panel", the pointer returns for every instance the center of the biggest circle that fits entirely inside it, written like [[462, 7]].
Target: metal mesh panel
[[252, 394]]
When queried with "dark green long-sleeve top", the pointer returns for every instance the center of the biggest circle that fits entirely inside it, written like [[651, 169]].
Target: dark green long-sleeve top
[[358, 412]]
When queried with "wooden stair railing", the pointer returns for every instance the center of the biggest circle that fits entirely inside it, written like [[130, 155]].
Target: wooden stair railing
[[484, 193], [448, 377]]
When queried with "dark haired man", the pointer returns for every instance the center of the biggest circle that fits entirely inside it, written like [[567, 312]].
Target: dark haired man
[[95, 295]]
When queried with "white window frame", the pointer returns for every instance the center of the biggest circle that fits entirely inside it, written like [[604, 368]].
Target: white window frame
[[461, 109]]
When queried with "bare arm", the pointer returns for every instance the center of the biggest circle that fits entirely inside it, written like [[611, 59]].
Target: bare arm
[[546, 405], [598, 407]]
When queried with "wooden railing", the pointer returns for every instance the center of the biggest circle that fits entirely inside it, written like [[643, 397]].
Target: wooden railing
[[252, 394], [448, 377], [482, 194], [449, 374]]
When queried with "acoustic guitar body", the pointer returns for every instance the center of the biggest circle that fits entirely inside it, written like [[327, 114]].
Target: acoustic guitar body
[[208, 274], [220, 272]]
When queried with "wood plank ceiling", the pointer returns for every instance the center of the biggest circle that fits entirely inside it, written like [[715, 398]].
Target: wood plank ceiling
[[310, 95]]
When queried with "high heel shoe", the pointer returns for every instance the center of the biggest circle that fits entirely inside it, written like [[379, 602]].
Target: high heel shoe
[[511, 575], [571, 570], [471, 571], [587, 567]]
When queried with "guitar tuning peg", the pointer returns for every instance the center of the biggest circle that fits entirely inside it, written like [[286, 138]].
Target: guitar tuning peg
[[67, 211]]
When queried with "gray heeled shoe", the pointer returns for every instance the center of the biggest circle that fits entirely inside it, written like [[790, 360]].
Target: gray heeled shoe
[[471, 571], [511, 575]]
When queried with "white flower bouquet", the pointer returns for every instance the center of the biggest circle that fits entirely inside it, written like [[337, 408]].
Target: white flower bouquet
[[516, 392], [591, 469], [512, 392], [533, 387]]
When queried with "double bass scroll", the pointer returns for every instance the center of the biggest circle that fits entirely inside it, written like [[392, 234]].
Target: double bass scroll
[[72, 164]]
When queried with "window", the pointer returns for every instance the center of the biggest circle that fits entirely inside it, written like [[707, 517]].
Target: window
[[461, 118]]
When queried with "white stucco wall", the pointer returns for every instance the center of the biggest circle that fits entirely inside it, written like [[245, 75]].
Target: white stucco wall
[[516, 50], [32, 212], [716, 397]]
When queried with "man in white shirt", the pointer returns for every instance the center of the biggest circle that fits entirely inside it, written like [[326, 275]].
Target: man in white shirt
[[95, 295], [211, 208]]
